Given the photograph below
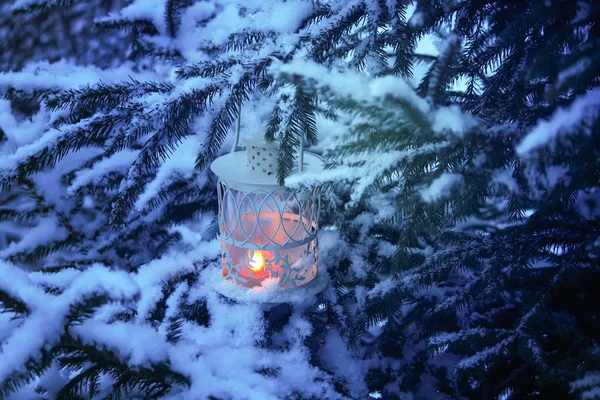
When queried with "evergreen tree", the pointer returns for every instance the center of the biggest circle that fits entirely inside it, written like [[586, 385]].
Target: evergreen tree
[[463, 258], [121, 149], [485, 178]]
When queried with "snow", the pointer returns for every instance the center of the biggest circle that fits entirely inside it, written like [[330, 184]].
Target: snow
[[48, 183], [505, 178], [226, 353], [118, 336], [181, 161], [44, 323], [152, 10], [593, 393], [362, 88], [344, 363], [162, 269], [589, 385], [117, 162], [47, 140], [386, 249], [382, 288], [556, 174], [416, 20], [583, 12], [441, 187], [483, 355], [223, 359], [64, 74], [362, 176], [579, 67], [580, 113], [452, 119], [283, 17], [45, 232], [444, 120], [215, 22], [588, 204], [23, 4], [19, 132]]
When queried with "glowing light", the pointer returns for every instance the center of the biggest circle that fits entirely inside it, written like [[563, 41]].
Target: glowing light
[[257, 263]]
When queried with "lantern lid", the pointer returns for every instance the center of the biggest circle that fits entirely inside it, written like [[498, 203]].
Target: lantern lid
[[233, 168]]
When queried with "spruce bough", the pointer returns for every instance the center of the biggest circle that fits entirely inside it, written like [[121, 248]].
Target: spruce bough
[[461, 192]]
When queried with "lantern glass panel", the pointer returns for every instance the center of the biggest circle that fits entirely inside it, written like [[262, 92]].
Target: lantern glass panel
[[268, 234]]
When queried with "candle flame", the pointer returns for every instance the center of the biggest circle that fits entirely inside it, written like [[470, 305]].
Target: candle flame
[[257, 263]]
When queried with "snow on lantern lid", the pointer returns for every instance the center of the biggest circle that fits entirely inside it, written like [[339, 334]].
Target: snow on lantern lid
[[268, 232]]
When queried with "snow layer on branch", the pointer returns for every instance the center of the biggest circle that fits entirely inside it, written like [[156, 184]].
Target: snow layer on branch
[[150, 275], [363, 175], [483, 355], [152, 10], [589, 386], [364, 89], [441, 187], [49, 182], [117, 337], [351, 84], [452, 119], [576, 69], [580, 113], [344, 363], [61, 279], [8, 162], [382, 288], [44, 324], [64, 75], [227, 348], [117, 162], [223, 360], [181, 161], [46, 231], [208, 24], [19, 132]]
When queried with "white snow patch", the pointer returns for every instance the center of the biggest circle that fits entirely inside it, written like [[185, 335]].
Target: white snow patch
[[45, 232], [182, 160], [382, 288], [581, 112], [63, 74], [440, 187], [452, 119], [117, 162]]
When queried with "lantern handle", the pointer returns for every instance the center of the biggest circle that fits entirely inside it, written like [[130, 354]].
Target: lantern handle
[[237, 131]]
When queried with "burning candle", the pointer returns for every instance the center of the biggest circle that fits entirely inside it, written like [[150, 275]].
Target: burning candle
[[257, 263]]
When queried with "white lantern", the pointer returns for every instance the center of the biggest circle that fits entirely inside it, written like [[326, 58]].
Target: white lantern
[[268, 232]]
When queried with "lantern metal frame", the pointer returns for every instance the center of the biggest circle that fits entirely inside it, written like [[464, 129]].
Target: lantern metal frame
[[296, 210], [253, 195]]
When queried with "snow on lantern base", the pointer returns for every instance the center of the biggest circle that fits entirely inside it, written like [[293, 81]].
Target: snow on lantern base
[[268, 232]]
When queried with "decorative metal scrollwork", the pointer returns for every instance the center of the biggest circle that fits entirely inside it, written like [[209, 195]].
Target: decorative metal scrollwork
[[268, 234]]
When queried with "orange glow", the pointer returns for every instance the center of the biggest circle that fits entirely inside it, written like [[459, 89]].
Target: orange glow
[[257, 263]]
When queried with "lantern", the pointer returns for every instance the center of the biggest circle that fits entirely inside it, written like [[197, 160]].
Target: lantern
[[268, 232]]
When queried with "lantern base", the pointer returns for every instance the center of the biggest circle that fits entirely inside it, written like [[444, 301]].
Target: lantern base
[[271, 294]]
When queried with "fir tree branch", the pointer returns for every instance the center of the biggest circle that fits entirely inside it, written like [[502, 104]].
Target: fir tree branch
[[175, 127], [220, 124], [39, 6]]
